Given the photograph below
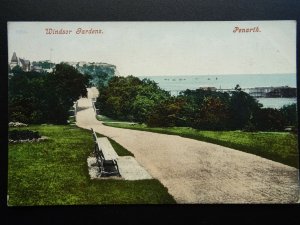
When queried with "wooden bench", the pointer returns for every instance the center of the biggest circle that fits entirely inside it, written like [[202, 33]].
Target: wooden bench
[[106, 157]]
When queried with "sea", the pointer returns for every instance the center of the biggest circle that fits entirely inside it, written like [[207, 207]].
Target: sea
[[175, 84]]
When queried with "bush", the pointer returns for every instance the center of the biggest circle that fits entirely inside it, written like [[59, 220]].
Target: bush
[[213, 114], [17, 135], [172, 112], [242, 108], [268, 119], [38, 98], [129, 98], [290, 114]]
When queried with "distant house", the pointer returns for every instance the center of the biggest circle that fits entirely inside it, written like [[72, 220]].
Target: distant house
[[208, 88], [43, 66], [23, 63], [37, 69], [14, 61]]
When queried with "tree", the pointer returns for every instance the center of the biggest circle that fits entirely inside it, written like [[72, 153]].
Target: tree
[[268, 119], [42, 97], [16, 70], [129, 98], [242, 108], [26, 95], [65, 85], [171, 112], [213, 114], [207, 107], [289, 113], [100, 79]]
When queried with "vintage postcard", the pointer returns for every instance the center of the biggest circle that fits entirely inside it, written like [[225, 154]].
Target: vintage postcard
[[152, 113]]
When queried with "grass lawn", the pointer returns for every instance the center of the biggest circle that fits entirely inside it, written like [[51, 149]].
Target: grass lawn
[[277, 146], [107, 119], [54, 172]]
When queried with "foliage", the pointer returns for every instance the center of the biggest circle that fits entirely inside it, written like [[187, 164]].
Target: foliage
[[55, 173], [66, 85], [171, 112], [99, 74], [45, 97], [242, 107], [26, 97], [268, 119], [16, 70], [100, 79], [23, 135], [43, 64], [132, 99], [129, 98], [213, 114], [289, 112]]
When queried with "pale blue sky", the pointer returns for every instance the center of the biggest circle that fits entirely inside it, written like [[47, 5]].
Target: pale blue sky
[[164, 48]]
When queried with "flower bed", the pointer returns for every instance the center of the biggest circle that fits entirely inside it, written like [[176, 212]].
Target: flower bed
[[17, 135], [17, 124]]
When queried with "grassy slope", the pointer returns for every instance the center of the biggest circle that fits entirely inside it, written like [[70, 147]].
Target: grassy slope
[[54, 172], [120, 150], [106, 119], [277, 146]]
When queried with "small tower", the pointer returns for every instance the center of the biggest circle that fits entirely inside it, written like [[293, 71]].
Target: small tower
[[14, 61]]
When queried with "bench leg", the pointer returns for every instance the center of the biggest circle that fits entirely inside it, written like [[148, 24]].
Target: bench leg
[[116, 164]]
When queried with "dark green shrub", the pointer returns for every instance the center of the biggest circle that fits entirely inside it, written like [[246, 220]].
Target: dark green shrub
[[172, 112], [268, 119], [45, 97], [17, 135], [289, 113], [213, 114]]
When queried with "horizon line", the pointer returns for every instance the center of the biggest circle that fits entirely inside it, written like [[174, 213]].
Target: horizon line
[[226, 74]]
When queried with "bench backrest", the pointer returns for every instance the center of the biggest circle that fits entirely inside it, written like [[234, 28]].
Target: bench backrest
[[101, 159], [94, 135], [98, 150]]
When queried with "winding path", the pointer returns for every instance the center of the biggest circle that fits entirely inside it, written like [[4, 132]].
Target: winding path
[[200, 172]]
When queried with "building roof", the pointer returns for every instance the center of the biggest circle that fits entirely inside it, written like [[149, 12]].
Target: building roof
[[24, 62], [14, 58]]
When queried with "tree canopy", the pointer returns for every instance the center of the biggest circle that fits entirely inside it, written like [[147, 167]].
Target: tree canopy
[[129, 98], [45, 97]]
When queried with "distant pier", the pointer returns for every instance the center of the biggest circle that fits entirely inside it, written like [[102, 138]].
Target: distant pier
[[256, 92]]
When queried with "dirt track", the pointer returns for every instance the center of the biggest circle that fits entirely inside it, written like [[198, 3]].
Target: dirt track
[[200, 172]]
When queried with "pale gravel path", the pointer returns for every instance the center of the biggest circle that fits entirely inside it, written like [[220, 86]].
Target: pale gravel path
[[200, 172]]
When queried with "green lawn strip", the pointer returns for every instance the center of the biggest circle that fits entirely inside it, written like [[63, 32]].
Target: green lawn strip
[[106, 119], [120, 150], [54, 172], [277, 146]]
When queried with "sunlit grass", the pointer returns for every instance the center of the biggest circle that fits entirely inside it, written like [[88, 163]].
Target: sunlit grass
[[54, 172], [106, 119]]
